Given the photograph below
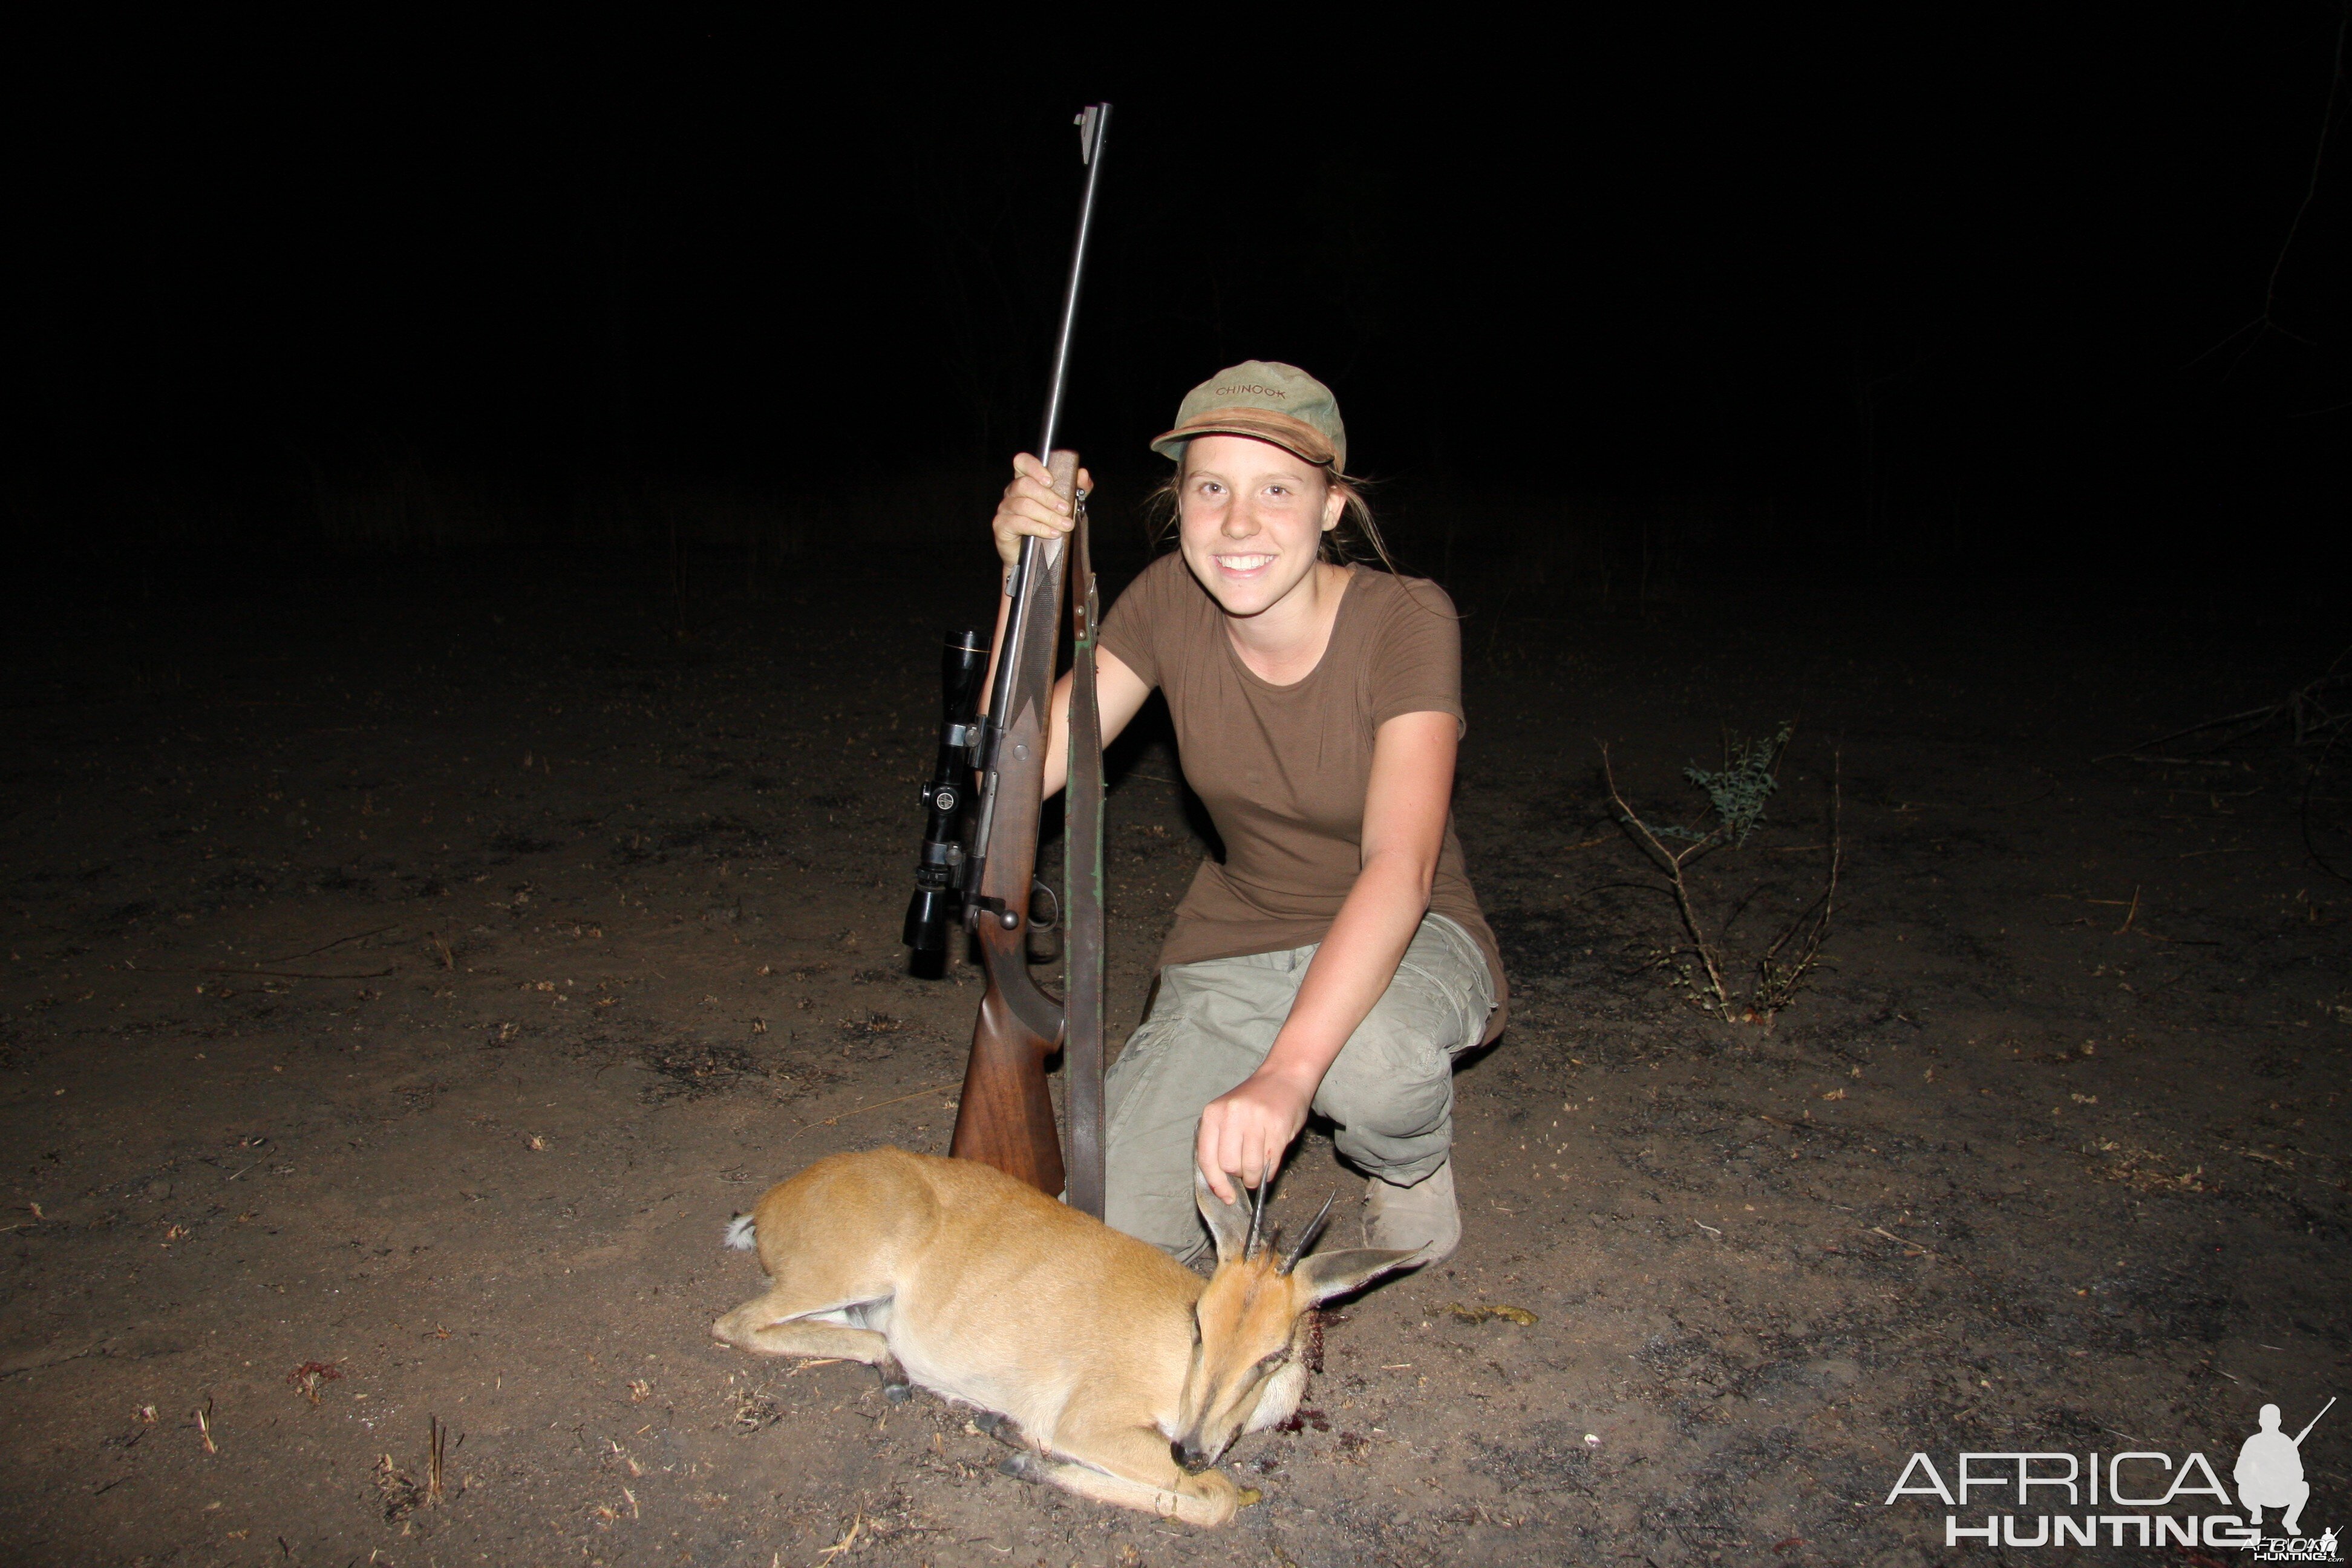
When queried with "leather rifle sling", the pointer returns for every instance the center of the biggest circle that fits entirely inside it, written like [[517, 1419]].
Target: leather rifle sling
[[1082, 1002]]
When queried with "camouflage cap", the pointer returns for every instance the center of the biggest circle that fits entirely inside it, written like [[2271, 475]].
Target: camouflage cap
[[1277, 403]]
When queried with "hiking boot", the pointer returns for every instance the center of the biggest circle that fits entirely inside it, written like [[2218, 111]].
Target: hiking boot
[[1423, 1217]]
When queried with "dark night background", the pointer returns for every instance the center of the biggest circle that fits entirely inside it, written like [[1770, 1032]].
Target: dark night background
[[1850, 291]]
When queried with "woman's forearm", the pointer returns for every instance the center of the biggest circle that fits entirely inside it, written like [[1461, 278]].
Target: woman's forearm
[[1352, 968]]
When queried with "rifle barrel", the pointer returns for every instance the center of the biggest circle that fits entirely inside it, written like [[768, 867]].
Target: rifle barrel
[[1093, 125]]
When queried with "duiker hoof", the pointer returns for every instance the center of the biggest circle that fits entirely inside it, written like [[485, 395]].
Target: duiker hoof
[[1023, 1467]]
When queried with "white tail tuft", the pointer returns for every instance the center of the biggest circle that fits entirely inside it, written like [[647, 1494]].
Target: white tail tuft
[[742, 1233]]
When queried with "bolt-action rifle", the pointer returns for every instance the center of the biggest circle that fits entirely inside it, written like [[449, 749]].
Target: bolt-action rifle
[[1006, 1117]]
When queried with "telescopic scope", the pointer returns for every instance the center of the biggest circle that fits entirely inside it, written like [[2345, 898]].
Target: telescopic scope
[[962, 665]]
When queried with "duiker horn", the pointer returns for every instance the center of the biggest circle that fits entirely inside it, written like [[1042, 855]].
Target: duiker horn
[[1306, 1237]]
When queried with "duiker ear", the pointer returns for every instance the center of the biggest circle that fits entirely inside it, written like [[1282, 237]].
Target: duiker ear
[[1229, 1223], [1333, 1274]]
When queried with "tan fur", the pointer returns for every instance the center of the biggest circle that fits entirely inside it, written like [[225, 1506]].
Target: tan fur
[[955, 1277]]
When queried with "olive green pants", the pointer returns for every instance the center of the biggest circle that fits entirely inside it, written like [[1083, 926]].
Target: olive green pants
[[1389, 1094]]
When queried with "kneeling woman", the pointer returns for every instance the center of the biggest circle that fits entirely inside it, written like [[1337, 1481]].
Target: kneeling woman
[[1336, 960]]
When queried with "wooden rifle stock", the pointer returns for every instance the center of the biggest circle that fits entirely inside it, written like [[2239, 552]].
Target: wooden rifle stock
[[1006, 1117]]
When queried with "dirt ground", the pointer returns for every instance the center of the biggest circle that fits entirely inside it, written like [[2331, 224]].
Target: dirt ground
[[407, 978]]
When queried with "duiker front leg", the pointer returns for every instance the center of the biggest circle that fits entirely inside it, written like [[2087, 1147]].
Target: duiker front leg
[[1131, 1467]]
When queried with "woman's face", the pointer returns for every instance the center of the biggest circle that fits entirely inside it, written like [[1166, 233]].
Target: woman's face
[[1251, 517]]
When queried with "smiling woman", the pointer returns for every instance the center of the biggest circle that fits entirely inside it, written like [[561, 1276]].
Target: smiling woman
[[1336, 960]]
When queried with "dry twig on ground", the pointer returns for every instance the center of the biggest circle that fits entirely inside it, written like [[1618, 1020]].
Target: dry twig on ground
[[437, 1454], [2316, 714]]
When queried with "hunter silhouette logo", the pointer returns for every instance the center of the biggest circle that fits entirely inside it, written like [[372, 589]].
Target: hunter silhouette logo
[[2270, 1475], [2270, 1471]]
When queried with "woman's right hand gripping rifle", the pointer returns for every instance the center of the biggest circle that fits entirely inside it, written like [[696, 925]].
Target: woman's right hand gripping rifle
[[1030, 508]]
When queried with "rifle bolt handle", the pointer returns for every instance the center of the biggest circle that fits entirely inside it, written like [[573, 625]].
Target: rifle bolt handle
[[1010, 920]]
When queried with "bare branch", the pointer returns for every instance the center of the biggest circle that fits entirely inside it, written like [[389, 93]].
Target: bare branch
[[1671, 865]]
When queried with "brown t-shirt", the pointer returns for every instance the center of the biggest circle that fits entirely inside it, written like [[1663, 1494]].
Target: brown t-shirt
[[1284, 769]]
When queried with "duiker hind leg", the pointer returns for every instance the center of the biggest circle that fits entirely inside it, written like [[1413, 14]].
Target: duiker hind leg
[[825, 1256], [777, 1324]]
